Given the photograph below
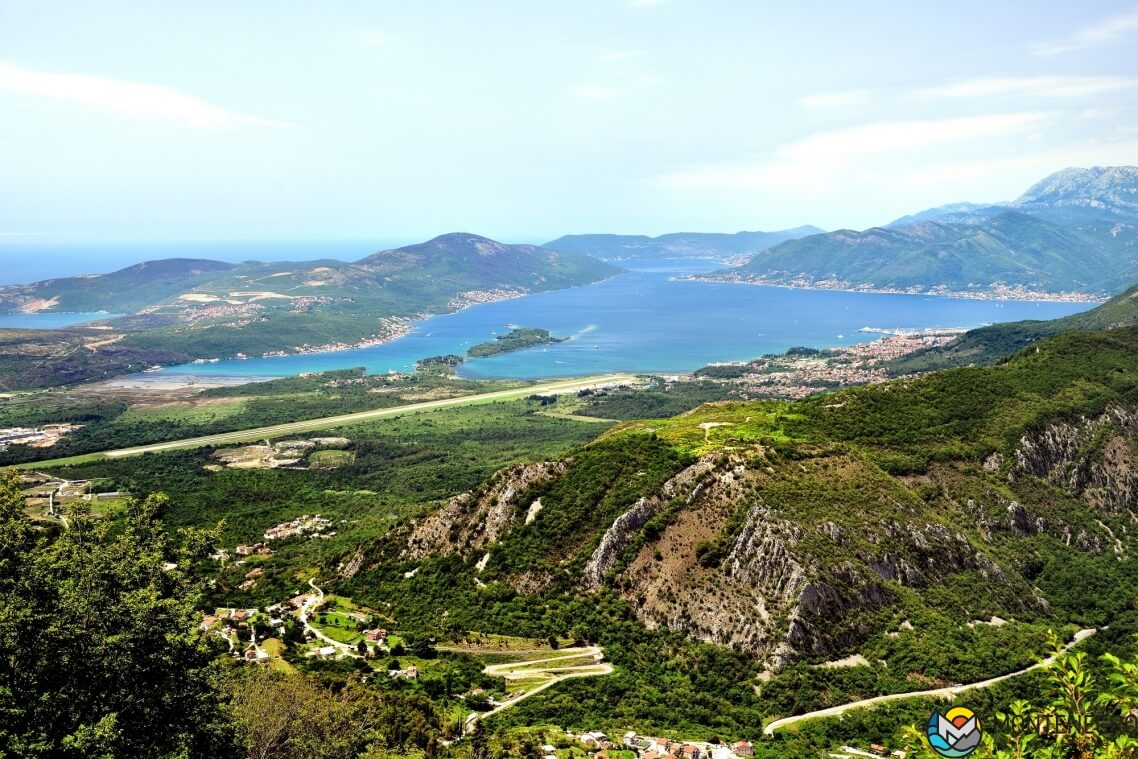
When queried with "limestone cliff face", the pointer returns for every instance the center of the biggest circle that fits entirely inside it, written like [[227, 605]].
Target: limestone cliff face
[[1093, 459], [800, 554], [787, 586], [628, 525], [473, 520]]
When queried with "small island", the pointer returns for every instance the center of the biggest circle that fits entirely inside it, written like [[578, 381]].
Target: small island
[[515, 339]]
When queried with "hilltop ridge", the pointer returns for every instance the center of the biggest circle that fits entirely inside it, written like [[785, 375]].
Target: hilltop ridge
[[1075, 231]]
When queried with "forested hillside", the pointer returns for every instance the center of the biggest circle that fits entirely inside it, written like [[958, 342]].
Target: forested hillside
[[182, 309], [987, 345]]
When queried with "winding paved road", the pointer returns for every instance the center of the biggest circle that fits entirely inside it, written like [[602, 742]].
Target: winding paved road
[[306, 609], [312, 425], [952, 690], [527, 670]]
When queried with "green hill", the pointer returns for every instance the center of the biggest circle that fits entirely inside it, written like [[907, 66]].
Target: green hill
[[204, 309], [881, 520], [122, 291], [1076, 230], [1012, 248], [987, 345]]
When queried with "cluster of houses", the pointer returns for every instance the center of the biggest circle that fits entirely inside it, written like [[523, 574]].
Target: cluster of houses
[[251, 578], [299, 526], [256, 549], [228, 618], [659, 748], [35, 437]]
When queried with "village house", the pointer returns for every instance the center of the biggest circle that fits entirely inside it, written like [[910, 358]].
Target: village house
[[721, 752], [253, 574], [592, 739], [252, 654], [326, 652], [208, 621], [743, 748], [375, 636]]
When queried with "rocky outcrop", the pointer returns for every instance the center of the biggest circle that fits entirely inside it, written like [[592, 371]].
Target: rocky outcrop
[[626, 526], [473, 520], [1092, 459]]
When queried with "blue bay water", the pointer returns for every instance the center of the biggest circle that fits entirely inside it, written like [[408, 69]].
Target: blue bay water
[[50, 320], [647, 321]]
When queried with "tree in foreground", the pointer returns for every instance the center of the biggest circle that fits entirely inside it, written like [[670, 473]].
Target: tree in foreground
[[100, 651], [1066, 725]]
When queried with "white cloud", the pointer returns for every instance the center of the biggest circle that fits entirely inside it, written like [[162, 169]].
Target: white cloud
[[1103, 33], [150, 101], [835, 99], [823, 158], [1034, 86]]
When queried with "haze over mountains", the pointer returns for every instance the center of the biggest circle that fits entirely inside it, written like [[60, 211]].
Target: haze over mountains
[[1074, 231], [678, 244]]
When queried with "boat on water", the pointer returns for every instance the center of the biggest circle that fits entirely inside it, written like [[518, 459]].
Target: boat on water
[[152, 369]]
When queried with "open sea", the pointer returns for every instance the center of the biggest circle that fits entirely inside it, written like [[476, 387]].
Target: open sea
[[645, 321]]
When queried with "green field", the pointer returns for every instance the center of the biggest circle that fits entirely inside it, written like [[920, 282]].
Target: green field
[[341, 420]]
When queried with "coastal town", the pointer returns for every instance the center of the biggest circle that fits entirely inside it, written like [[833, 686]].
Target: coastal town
[[801, 372], [994, 291]]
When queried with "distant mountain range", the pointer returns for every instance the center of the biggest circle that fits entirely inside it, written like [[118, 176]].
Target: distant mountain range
[[416, 277], [717, 246], [1075, 231]]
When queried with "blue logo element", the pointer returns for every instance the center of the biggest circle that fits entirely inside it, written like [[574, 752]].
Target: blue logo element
[[954, 734]]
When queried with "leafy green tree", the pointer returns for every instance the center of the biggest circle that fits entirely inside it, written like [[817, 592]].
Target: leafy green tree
[[100, 650], [1067, 724], [479, 743], [293, 717]]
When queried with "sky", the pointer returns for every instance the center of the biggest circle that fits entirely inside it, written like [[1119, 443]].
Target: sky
[[525, 121]]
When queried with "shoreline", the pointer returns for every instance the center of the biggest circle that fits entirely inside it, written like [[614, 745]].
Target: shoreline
[[399, 326], [1023, 296]]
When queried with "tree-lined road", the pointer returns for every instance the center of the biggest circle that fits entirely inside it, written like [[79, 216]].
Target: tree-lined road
[[326, 422], [949, 692]]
